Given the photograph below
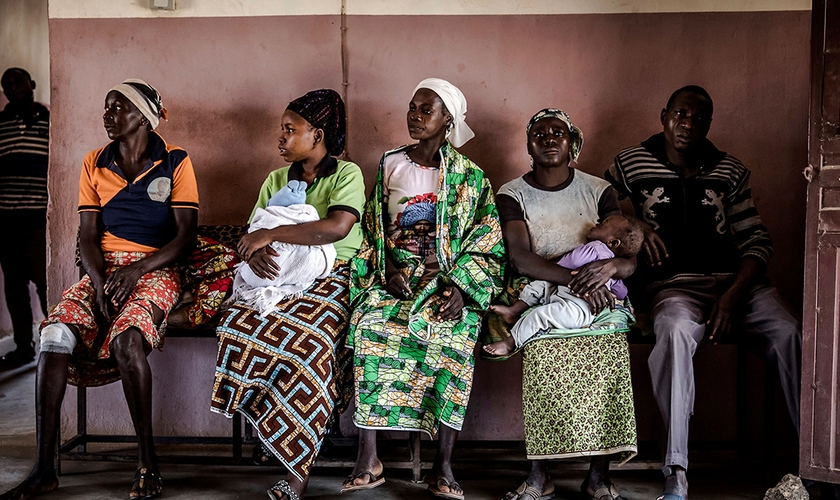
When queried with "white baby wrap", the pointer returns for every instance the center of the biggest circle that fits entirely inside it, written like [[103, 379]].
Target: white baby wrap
[[300, 265]]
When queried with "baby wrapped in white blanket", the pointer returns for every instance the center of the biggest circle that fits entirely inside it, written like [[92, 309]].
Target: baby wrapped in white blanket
[[300, 265]]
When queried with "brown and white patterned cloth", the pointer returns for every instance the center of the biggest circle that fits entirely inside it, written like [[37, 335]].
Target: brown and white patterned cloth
[[286, 372]]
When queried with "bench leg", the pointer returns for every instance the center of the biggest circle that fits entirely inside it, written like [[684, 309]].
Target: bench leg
[[769, 418], [81, 417], [414, 452], [237, 436], [249, 432], [742, 406]]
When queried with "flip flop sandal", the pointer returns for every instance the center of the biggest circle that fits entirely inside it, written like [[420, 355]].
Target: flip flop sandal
[[434, 489], [283, 487], [607, 491], [262, 456], [373, 482], [525, 492], [140, 477]]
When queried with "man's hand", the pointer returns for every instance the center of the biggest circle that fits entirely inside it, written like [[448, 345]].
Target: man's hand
[[454, 303], [121, 283], [720, 318], [252, 242], [586, 279], [263, 265], [653, 246], [600, 298]]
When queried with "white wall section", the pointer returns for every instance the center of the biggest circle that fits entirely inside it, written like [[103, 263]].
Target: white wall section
[[24, 39], [248, 8]]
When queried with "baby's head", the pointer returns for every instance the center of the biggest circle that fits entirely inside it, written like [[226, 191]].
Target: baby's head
[[621, 233], [293, 193]]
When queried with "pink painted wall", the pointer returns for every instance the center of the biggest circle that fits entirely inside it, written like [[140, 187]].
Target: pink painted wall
[[227, 80], [612, 74]]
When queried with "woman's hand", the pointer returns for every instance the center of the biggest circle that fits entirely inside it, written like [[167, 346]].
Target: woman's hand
[[653, 246], [121, 283], [600, 298], [102, 308], [395, 284], [263, 264], [587, 278], [252, 242], [453, 304]]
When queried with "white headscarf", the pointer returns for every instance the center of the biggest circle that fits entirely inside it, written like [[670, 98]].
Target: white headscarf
[[153, 110], [456, 104]]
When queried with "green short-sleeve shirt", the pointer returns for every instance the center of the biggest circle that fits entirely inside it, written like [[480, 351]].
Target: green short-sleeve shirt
[[339, 185]]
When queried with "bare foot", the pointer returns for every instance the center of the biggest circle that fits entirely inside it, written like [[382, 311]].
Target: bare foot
[[507, 313], [36, 484], [501, 348]]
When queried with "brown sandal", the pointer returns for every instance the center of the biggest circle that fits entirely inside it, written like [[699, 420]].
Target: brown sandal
[[140, 477]]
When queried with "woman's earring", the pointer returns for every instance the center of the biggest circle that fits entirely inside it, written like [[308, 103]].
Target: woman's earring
[[532, 162]]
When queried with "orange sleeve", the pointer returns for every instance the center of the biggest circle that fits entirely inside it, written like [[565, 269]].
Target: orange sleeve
[[184, 186], [89, 200]]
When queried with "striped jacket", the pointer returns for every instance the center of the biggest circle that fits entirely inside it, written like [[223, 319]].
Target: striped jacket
[[24, 149], [708, 222]]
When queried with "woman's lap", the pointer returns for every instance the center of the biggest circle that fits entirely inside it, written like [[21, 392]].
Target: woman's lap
[[92, 363], [407, 382], [280, 371], [577, 397]]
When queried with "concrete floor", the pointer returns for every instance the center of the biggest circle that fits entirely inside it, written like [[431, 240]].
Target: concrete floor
[[99, 480]]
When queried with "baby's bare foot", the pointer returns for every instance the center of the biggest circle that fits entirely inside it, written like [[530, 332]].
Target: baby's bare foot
[[507, 313], [501, 348]]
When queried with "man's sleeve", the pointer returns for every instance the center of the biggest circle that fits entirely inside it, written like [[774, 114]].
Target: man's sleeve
[[751, 236], [615, 176]]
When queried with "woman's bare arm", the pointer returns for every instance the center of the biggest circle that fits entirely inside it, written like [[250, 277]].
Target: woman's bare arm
[[525, 261]]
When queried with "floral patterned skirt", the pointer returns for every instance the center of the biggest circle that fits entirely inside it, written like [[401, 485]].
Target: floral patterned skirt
[[91, 363], [577, 398]]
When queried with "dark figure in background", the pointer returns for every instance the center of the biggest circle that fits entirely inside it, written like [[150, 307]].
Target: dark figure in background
[[707, 252], [24, 146]]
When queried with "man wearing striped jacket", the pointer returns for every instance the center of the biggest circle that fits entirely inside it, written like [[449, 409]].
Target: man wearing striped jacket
[[707, 251], [24, 148]]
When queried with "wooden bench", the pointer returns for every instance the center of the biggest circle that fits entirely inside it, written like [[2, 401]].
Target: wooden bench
[[339, 451], [335, 445]]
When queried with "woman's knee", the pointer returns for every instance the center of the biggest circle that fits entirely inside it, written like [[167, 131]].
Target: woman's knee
[[128, 346], [58, 338]]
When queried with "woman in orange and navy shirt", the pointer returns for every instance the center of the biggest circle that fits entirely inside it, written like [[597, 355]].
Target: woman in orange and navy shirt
[[138, 204]]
